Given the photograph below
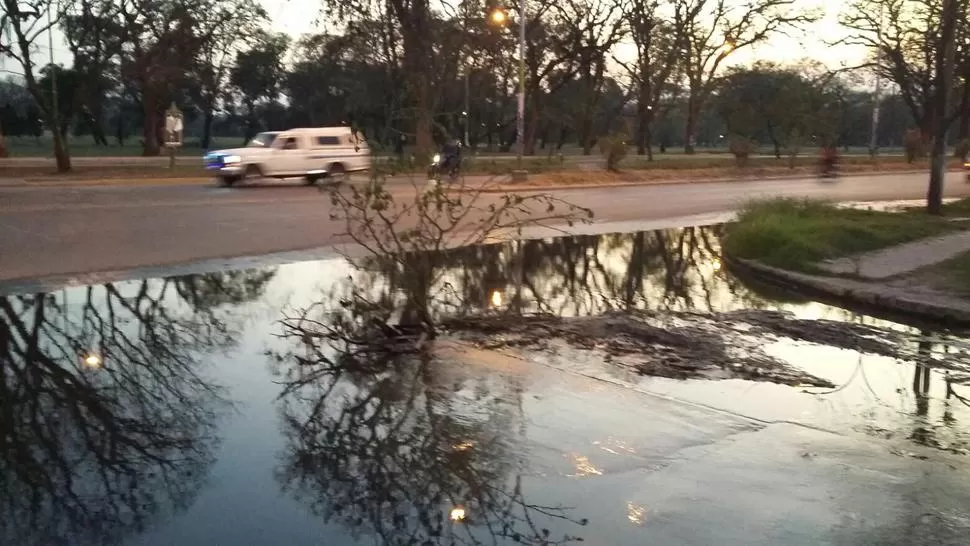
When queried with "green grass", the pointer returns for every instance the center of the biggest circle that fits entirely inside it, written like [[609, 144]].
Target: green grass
[[797, 234], [957, 271], [960, 207]]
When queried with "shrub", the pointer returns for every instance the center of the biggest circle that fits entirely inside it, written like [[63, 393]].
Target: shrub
[[742, 148], [797, 234], [614, 149]]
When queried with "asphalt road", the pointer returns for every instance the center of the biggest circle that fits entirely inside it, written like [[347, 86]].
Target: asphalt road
[[62, 232]]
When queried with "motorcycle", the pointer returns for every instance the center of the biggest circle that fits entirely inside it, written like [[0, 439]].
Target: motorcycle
[[829, 172], [441, 165]]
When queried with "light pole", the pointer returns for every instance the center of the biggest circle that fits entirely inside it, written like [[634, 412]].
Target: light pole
[[874, 135], [520, 117], [499, 17], [467, 112]]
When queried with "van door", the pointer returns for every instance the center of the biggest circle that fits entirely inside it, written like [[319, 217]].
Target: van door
[[324, 152], [290, 159]]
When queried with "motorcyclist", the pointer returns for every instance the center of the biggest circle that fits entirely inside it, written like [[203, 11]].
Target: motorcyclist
[[451, 155], [829, 160]]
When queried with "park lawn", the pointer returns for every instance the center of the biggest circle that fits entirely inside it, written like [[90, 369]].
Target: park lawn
[[798, 234]]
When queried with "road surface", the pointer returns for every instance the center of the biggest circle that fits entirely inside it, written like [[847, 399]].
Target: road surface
[[66, 232]]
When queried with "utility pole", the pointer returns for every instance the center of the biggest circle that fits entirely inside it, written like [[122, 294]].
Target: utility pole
[[520, 118], [467, 112], [877, 96]]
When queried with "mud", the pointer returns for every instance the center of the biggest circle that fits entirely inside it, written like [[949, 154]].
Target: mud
[[689, 345]]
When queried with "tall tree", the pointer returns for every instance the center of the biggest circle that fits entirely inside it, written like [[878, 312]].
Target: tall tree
[[769, 103], [91, 30], [913, 44], [941, 105], [903, 38], [161, 43], [231, 26], [653, 71], [710, 31], [26, 22], [563, 38], [259, 74]]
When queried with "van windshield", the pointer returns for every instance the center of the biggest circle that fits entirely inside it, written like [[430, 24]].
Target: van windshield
[[262, 140]]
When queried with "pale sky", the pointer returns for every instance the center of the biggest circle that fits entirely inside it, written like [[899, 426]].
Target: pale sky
[[298, 17]]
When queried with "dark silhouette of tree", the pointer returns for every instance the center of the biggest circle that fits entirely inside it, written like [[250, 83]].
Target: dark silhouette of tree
[[259, 74], [22, 24], [656, 67], [381, 441], [107, 419], [710, 31]]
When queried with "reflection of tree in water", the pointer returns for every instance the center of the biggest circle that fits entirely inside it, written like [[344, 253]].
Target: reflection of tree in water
[[931, 354], [388, 441], [94, 448], [675, 269]]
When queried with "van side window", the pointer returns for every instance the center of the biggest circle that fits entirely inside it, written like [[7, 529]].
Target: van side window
[[328, 141], [290, 144]]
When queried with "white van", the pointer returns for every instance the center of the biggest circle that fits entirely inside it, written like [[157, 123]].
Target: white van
[[310, 153]]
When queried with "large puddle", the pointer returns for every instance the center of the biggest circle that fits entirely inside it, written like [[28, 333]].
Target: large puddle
[[181, 411]]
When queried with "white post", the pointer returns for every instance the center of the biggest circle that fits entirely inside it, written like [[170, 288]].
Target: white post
[[874, 135], [520, 119]]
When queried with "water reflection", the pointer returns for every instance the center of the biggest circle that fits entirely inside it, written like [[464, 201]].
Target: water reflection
[[391, 438], [107, 421], [678, 269]]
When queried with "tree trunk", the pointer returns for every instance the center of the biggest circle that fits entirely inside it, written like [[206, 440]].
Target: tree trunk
[[642, 126], [3, 144], [96, 108], [690, 131], [207, 126], [150, 144], [941, 106], [648, 138], [61, 154]]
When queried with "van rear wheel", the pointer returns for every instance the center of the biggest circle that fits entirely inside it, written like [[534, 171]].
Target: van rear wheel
[[337, 174]]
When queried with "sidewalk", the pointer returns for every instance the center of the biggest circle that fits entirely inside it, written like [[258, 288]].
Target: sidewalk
[[900, 259], [893, 282]]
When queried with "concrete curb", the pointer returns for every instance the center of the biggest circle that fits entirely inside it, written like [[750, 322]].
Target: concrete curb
[[674, 181], [856, 293], [503, 187]]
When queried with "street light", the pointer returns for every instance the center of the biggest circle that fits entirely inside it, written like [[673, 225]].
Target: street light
[[499, 16]]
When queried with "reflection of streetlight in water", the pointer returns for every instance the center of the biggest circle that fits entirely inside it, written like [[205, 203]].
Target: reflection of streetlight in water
[[457, 514], [496, 298], [92, 361]]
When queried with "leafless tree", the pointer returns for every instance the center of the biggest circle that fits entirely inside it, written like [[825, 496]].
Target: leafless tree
[[710, 31], [22, 25], [655, 69]]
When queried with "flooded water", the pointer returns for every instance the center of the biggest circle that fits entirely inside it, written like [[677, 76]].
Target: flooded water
[[215, 409]]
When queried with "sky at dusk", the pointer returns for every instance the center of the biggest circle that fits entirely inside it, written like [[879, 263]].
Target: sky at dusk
[[298, 17]]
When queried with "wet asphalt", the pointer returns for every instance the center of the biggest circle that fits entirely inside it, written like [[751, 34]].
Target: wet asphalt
[[68, 231]]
